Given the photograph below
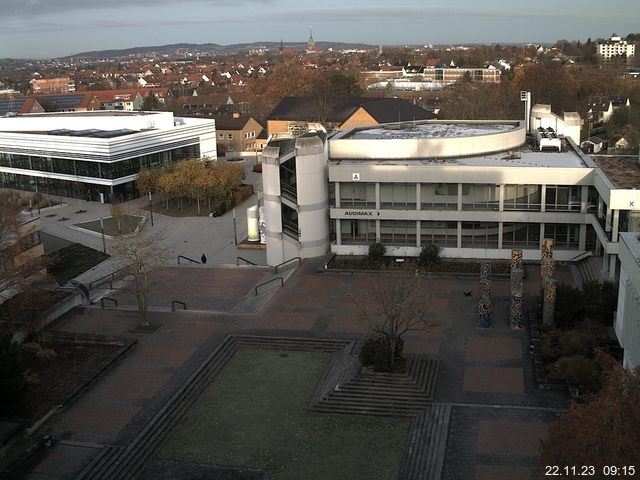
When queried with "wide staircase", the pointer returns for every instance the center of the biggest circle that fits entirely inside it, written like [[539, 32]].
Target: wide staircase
[[590, 269], [425, 455], [383, 394]]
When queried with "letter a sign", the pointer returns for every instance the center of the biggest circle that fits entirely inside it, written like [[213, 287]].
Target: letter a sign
[[355, 177]]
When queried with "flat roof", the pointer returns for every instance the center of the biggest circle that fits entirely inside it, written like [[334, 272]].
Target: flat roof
[[91, 113], [622, 171], [525, 157], [431, 130]]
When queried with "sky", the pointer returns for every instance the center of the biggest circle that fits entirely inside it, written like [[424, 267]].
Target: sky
[[55, 28]]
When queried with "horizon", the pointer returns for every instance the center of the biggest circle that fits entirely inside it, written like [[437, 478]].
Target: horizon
[[37, 29]]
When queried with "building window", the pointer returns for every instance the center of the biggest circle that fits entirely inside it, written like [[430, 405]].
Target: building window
[[288, 180], [221, 136], [357, 232], [230, 136], [565, 236], [562, 197], [522, 197], [399, 196], [482, 197], [521, 235], [357, 195], [444, 234], [479, 235], [439, 196], [398, 232], [290, 221]]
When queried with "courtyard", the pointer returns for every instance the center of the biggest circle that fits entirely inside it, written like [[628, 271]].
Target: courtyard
[[248, 416]]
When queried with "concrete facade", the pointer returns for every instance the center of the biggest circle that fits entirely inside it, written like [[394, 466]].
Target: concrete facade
[[294, 173], [627, 317]]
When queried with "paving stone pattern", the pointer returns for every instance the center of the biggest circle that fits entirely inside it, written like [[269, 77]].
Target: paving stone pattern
[[472, 367]]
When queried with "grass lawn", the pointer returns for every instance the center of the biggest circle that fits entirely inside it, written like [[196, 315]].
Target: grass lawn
[[252, 415]]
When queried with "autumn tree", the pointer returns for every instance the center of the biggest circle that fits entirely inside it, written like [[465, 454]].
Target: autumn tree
[[605, 430], [395, 303]]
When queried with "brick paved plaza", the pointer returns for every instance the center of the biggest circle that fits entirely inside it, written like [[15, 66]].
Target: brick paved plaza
[[498, 415]]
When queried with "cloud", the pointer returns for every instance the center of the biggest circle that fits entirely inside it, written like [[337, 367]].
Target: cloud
[[34, 8]]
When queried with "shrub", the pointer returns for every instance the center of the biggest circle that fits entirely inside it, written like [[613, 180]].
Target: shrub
[[377, 252], [569, 309], [12, 369], [429, 255], [376, 353], [581, 371]]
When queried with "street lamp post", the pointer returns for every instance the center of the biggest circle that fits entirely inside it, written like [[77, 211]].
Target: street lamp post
[[104, 243], [235, 231], [151, 208]]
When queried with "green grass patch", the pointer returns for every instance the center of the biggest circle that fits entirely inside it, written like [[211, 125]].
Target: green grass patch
[[253, 415]]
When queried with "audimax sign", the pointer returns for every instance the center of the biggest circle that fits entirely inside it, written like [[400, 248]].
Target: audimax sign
[[361, 213]]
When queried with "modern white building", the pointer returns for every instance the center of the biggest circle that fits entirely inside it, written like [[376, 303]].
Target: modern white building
[[616, 47], [477, 188], [96, 155], [627, 321]]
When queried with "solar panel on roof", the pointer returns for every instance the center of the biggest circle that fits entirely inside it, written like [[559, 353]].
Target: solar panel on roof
[[64, 101], [11, 106]]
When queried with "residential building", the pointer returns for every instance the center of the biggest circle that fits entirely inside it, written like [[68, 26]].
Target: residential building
[[204, 105], [125, 100], [46, 86], [96, 155], [236, 134], [616, 47], [600, 109], [296, 115]]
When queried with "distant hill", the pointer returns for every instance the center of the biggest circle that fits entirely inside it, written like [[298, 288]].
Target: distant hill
[[216, 48]]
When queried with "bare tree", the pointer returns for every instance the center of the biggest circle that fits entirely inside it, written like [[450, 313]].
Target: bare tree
[[142, 252], [395, 303]]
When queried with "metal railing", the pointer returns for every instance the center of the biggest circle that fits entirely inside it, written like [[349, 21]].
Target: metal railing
[[248, 262], [174, 302], [187, 258], [581, 256], [268, 282], [115, 301], [107, 278], [294, 259]]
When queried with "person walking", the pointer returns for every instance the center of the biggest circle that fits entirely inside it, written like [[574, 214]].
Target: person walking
[[203, 258]]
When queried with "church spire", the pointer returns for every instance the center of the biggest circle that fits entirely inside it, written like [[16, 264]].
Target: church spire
[[311, 44]]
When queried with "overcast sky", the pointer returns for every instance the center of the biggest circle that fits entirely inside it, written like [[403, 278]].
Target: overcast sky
[[53, 28]]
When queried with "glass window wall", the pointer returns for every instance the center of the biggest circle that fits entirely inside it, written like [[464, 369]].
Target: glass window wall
[[399, 196], [521, 235], [481, 197], [357, 195], [357, 232], [444, 234], [522, 197], [480, 235], [398, 232]]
